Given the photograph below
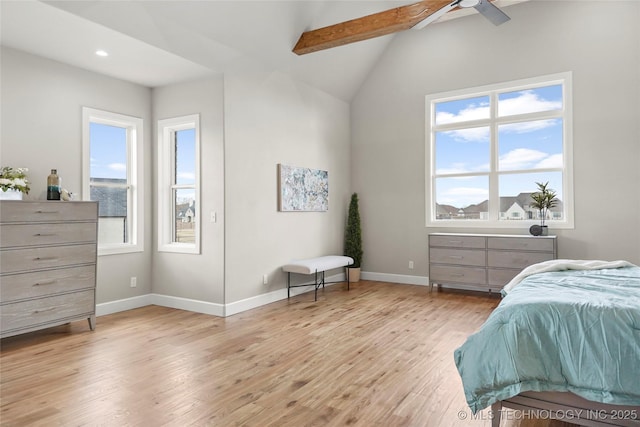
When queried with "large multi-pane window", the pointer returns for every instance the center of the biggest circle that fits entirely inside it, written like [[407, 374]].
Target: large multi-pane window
[[112, 175], [488, 147], [178, 185]]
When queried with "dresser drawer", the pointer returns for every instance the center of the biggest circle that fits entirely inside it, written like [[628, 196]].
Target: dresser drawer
[[13, 235], [516, 259], [453, 274], [521, 243], [457, 256], [475, 242], [48, 211], [38, 311], [498, 278], [43, 283], [18, 260]]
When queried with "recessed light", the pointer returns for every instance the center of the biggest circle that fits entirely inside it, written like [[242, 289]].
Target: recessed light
[[102, 53]]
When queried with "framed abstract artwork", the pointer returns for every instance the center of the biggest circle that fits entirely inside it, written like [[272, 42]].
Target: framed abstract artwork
[[302, 189]]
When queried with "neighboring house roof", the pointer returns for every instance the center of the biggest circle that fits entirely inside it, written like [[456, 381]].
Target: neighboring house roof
[[186, 209], [506, 202], [112, 201]]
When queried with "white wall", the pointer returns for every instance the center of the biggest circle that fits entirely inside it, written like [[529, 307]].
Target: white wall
[[599, 41], [195, 276], [250, 121], [41, 116], [271, 119]]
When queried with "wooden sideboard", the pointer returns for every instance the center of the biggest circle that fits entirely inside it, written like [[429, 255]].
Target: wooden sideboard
[[48, 255], [485, 262]]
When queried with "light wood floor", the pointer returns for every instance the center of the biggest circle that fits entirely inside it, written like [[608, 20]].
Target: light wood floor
[[377, 355]]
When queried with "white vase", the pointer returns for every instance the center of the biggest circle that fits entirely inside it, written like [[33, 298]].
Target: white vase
[[10, 195]]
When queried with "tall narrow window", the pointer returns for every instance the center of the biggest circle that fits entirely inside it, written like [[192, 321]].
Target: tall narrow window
[[178, 184], [489, 146], [112, 175]]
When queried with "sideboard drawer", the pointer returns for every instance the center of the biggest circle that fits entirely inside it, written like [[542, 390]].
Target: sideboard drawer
[[457, 256], [517, 260], [498, 278], [18, 260], [42, 283], [47, 234], [48, 211], [59, 307], [451, 241], [521, 244], [448, 274]]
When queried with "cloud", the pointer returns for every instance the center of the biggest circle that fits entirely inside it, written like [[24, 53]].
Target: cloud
[[470, 112], [118, 166], [526, 127], [463, 196], [470, 134], [521, 158], [187, 175], [553, 161], [527, 101]]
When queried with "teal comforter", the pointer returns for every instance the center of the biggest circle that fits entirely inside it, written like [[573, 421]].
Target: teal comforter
[[575, 331]]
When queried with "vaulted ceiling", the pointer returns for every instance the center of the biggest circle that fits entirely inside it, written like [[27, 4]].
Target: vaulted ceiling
[[154, 43]]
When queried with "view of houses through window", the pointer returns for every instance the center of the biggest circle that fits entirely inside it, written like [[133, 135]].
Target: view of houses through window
[[489, 147], [112, 176], [178, 184]]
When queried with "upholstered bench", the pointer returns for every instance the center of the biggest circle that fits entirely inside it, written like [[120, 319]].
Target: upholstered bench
[[316, 266]]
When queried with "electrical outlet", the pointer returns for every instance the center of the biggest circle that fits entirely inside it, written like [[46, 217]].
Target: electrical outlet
[[265, 279], [134, 282], [410, 265]]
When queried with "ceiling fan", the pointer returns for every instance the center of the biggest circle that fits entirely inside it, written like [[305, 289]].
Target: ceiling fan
[[416, 16]]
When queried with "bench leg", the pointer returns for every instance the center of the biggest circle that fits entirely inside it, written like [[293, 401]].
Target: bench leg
[[288, 285], [348, 283], [316, 286]]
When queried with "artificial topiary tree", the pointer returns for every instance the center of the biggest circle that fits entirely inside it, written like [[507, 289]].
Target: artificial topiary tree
[[353, 233]]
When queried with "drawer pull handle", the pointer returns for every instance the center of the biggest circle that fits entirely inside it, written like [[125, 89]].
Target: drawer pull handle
[[47, 212], [45, 235], [458, 274], [45, 283], [45, 258], [43, 311], [456, 256], [456, 242]]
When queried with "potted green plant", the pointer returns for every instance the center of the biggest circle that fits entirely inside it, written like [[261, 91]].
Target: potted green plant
[[13, 183], [353, 239], [543, 200]]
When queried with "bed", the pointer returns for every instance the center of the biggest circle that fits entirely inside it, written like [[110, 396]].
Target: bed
[[565, 339]]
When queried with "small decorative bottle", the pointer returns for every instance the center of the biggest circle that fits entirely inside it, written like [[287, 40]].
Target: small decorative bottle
[[53, 186]]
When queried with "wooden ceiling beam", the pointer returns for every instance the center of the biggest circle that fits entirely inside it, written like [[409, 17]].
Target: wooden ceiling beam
[[367, 27]]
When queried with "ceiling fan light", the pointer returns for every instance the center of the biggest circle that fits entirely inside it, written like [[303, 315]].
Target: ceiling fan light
[[468, 3]]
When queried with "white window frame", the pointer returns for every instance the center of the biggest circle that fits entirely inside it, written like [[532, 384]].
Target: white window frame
[[166, 169], [494, 209], [135, 182]]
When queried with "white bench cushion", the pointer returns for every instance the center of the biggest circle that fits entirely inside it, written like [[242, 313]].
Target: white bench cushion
[[311, 265]]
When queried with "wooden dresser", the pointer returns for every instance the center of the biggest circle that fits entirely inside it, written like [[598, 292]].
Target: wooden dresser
[[485, 262], [48, 254]]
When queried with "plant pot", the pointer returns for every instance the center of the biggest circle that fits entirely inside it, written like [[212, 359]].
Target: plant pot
[[353, 274], [10, 195], [545, 230]]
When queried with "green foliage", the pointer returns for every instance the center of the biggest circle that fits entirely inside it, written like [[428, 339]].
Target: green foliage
[[353, 233], [14, 179], [543, 200]]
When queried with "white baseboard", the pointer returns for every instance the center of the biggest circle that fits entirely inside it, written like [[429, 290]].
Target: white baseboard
[[123, 304], [396, 278], [197, 306]]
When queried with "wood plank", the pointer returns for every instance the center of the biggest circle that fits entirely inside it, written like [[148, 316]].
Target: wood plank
[[367, 27], [378, 355]]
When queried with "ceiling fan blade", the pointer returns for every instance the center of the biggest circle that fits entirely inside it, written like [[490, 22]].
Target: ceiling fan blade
[[367, 27], [491, 12]]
